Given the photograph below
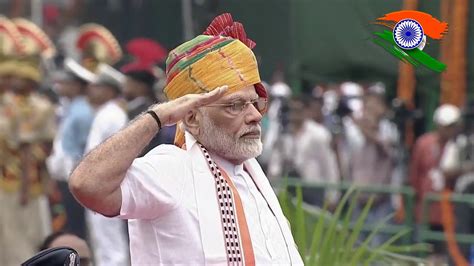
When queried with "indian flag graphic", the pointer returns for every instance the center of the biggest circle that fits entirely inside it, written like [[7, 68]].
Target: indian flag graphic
[[407, 37]]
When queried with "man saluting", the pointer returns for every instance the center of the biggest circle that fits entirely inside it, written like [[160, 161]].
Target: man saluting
[[204, 200]]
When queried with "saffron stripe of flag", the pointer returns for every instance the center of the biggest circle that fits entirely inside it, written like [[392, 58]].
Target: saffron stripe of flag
[[432, 27]]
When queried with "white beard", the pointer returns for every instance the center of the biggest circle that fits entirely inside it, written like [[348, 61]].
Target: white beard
[[232, 148]]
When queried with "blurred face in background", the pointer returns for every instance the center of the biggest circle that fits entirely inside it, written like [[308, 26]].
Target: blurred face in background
[[99, 94], [315, 110], [133, 89], [77, 244], [22, 86], [374, 107], [447, 132], [69, 88], [297, 115]]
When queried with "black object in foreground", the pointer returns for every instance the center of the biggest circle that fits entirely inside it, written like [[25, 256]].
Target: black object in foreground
[[60, 256]]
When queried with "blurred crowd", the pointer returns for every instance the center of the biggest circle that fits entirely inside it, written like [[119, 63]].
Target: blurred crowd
[[56, 106], [351, 133]]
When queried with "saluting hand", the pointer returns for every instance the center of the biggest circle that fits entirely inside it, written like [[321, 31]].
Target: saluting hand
[[173, 111]]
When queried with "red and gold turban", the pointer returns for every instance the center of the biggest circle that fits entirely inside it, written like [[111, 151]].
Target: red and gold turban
[[97, 45], [36, 46], [10, 46], [221, 56]]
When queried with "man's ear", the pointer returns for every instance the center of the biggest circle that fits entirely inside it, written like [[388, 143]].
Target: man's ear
[[191, 121]]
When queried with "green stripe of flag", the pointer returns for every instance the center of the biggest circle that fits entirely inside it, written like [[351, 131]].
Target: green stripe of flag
[[413, 56], [395, 51]]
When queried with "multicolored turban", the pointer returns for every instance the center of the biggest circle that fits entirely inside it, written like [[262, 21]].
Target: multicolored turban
[[221, 56]]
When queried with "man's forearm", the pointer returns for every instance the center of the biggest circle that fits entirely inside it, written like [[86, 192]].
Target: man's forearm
[[96, 180]]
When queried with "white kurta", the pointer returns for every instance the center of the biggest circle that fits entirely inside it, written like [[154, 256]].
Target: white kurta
[[169, 196], [108, 120], [109, 239]]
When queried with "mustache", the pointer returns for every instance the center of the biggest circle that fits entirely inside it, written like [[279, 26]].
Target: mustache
[[253, 129]]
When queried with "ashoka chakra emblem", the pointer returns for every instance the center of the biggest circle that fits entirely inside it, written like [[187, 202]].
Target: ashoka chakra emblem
[[408, 34]]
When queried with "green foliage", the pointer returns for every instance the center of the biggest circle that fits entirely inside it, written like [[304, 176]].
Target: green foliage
[[335, 239]]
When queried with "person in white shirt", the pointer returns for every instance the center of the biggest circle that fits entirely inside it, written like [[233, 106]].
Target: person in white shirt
[[204, 200], [71, 139], [108, 235], [372, 140], [457, 168], [307, 153]]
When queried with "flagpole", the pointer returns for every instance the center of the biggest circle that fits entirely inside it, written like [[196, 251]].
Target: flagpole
[[406, 84], [454, 81]]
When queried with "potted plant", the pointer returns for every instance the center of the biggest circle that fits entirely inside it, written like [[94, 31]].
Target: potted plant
[[328, 239]]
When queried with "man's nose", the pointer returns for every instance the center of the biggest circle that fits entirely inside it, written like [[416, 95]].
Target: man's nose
[[252, 115]]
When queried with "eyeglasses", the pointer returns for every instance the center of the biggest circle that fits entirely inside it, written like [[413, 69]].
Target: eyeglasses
[[237, 107]]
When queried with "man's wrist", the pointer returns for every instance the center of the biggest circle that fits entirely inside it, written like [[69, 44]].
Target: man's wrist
[[155, 117]]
